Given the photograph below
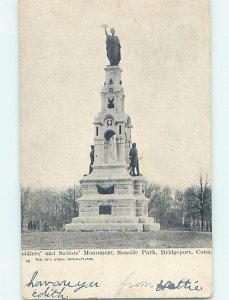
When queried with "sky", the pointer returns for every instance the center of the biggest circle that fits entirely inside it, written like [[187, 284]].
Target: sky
[[165, 49]]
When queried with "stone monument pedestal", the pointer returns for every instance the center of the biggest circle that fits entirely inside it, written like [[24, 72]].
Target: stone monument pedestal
[[116, 203]]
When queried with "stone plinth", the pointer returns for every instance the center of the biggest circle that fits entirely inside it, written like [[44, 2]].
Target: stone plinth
[[124, 207]]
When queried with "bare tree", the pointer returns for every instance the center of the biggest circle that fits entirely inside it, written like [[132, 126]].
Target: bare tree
[[24, 197], [69, 202], [152, 192], [180, 206], [160, 203], [198, 199]]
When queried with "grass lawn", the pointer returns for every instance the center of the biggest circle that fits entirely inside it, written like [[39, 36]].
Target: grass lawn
[[74, 240]]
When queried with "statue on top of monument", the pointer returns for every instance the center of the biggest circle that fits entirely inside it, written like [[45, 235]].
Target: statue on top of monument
[[113, 47]]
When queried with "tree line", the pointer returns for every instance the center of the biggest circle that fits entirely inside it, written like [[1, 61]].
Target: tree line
[[48, 209], [189, 209]]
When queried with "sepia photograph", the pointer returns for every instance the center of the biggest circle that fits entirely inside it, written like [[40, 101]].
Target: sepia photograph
[[115, 126]]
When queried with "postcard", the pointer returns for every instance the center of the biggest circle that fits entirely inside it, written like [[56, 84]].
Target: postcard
[[115, 133]]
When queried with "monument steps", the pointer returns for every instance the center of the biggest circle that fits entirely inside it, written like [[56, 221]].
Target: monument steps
[[113, 219], [121, 227]]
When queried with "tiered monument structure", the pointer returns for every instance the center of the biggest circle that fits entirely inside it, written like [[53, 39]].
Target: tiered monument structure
[[112, 199]]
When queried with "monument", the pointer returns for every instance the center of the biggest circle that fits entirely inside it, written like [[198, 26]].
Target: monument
[[113, 193]]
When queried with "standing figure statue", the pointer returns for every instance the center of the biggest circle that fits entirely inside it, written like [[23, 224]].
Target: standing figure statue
[[133, 154], [113, 47], [92, 159]]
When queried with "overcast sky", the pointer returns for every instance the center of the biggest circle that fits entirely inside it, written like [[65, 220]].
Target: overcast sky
[[165, 62]]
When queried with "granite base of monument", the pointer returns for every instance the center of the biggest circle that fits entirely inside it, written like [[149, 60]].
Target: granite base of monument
[[113, 204]]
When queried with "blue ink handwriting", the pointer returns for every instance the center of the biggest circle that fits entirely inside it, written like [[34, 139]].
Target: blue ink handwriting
[[57, 289]]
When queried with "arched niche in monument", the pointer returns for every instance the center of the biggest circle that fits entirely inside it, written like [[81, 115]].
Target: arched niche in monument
[[109, 134], [128, 122], [110, 146]]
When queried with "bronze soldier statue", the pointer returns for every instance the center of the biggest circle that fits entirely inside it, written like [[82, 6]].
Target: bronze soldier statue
[[133, 154], [92, 159], [113, 47]]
